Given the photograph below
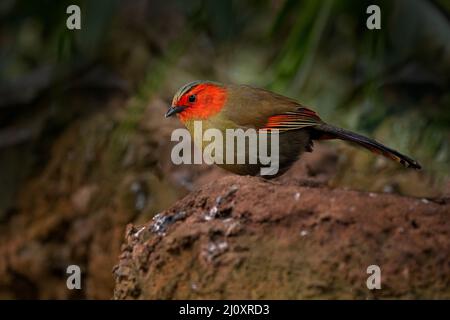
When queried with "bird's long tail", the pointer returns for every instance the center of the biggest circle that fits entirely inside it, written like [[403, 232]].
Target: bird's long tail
[[326, 131]]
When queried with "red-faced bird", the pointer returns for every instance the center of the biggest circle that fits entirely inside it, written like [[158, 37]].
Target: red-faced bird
[[224, 106]]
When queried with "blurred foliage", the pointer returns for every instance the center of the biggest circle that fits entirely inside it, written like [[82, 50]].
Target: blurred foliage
[[391, 83]]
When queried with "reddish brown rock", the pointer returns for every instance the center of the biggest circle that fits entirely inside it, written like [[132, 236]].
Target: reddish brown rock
[[246, 238]]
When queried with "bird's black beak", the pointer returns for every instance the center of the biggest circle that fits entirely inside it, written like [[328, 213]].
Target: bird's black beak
[[174, 109]]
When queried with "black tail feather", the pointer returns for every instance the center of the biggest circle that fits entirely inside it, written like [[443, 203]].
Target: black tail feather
[[326, 131]]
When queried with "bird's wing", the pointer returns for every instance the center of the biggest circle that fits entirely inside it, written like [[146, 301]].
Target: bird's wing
[[292, 120], [265, 110]]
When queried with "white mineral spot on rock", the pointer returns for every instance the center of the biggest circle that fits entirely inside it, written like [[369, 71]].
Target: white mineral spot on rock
[[212, 247], [136, 235], [303, 233], [222, 245], [425, 200], [158, 224], [211, 214], [297, 196], [215, 249]]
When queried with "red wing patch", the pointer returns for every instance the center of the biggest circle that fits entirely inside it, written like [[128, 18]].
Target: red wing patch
[[293, 120]]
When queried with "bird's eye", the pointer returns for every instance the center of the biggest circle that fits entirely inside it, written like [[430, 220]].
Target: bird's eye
[[192, 98]]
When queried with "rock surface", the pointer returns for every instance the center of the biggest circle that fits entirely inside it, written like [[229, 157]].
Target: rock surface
[[246, 238]]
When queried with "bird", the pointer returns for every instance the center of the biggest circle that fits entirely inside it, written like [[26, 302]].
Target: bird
[[238, 106]]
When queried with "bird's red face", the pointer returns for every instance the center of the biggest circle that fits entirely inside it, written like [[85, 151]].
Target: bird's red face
[[198, 101]]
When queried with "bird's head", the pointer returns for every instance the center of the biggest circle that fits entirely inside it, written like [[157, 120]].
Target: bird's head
[[198, 100]]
